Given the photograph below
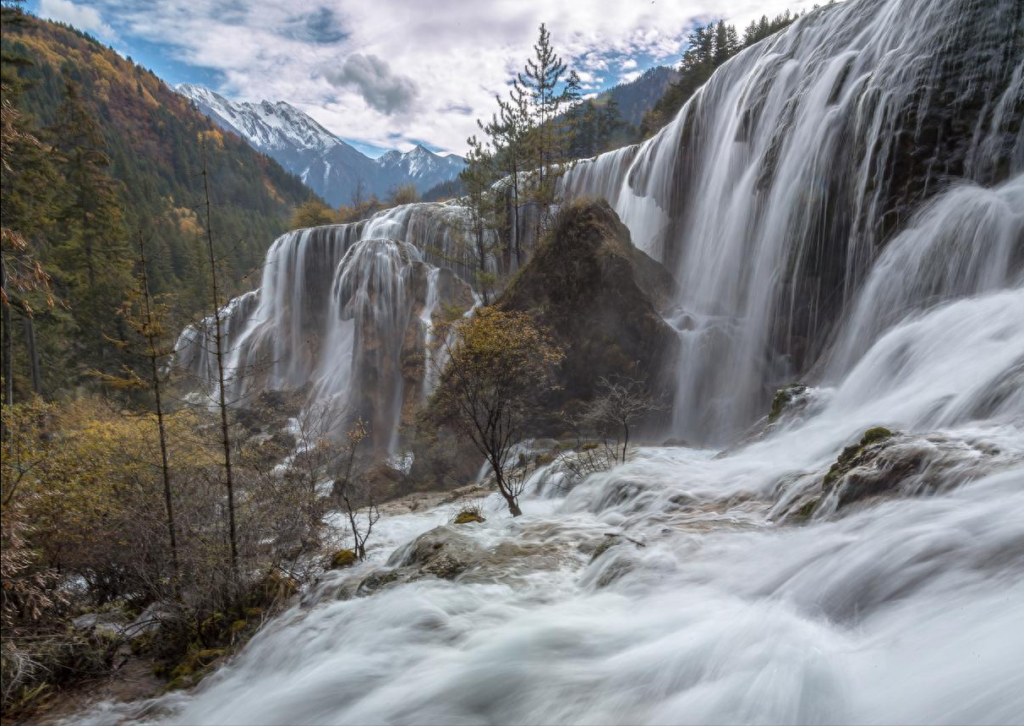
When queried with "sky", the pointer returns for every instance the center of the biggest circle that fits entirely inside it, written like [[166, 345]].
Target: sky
[[392, 73]]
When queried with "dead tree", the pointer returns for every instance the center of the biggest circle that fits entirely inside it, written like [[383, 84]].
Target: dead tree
[[151, 332], [218, 338], [354, 497]]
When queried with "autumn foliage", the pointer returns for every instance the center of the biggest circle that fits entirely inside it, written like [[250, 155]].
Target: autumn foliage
[[491, 368]]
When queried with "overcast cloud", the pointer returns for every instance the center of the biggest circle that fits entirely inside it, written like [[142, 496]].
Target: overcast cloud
[[391, 72], [379, 87]]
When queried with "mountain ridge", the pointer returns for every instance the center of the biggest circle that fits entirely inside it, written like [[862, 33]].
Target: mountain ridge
[[326, 163]]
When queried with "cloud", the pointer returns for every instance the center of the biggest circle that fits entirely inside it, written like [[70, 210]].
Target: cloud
[[427, 75], [629, 65], [83, 18], [630, 77], [383, 90], [321, 26]]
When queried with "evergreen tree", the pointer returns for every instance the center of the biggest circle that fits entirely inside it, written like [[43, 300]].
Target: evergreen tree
[[27, 185], [548, 92], [484, 211], [91, 248], [708, 47], [509, 132]]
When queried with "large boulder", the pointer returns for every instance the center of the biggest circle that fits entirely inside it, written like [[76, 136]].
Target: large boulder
[[599, 297]]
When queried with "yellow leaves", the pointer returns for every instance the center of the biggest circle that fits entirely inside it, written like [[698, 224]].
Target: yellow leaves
[[75, 468], [186, 220], [493, 336], [212, 137], [313, 213]]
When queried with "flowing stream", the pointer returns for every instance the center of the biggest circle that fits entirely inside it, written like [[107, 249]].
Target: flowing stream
[[842, 202]]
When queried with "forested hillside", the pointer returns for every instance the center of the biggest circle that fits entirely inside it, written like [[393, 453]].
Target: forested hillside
[[119, 157], [708, 47]]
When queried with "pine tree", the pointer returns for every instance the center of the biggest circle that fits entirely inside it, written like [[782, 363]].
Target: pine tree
[[477, 178], [28, 182], [146, 319], [91, 249], [548, 92], [509, 131]]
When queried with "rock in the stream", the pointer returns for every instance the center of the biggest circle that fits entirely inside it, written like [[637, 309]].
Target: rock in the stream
[[886, 463]]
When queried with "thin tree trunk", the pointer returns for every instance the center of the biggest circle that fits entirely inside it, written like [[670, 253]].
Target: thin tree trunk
[[219, 341], [8, 348], [33, 355], [155, 380], [510, 499], [515, 215]]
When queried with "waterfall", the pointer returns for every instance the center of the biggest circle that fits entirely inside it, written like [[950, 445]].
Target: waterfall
[[774, 189], [341, 309], [844, 200], [966, 242]]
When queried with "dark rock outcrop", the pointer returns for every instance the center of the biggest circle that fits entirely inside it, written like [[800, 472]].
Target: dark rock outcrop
[[599, 297]]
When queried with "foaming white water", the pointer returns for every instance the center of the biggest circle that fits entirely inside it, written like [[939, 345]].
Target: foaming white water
[[963, 243], [905, 610]]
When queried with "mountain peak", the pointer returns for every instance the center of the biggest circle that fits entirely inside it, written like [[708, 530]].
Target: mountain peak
[[324, 162], [269, 126]]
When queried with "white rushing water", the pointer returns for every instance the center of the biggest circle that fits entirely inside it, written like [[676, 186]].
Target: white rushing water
[[772, 198], [905, 611]]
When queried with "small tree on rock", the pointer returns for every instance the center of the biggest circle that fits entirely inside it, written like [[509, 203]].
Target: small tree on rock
[[491, 369], [621, 403]]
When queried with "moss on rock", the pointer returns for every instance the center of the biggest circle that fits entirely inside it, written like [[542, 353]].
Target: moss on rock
[[467, 516], [850, 455], [784, 398], [343, 559]]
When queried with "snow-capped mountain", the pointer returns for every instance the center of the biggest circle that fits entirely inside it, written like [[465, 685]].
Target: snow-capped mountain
[[325, 163], [420, 166], [264, 124]]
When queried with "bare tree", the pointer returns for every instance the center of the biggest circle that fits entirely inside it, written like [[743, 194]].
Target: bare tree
[[604, 428], [359, 194], [356, 497], [151, 331], [622, 402], [219, 352]]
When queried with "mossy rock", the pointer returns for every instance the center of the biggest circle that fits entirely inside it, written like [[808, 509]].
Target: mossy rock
[[848, 458], [343, 559], [806, 511], [784, 398], [466, 517], [876, 433], [376, 580], [179, 683]]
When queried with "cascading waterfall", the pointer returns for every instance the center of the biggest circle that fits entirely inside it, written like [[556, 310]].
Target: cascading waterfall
[[334, 312], [968, 241], [844, 199], [771, 192]]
